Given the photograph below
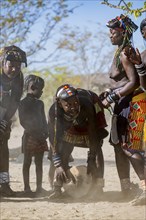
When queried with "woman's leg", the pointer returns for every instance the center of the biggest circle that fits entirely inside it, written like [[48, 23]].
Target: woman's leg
[[100, 167], [123, 168], [138, 163], [4, 169]]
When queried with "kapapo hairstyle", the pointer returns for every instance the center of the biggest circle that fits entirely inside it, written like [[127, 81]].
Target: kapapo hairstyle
[[123, 22], [36, 82], [126, 26], [142, 24], [65, 91], [13, 53]]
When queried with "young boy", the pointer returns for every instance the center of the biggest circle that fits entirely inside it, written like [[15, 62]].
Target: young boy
[[33, 120]]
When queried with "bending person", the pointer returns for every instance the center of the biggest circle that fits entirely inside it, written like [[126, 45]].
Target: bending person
[[76, 119]]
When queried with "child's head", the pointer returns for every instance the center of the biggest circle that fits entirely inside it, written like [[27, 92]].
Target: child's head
[[34, 85]]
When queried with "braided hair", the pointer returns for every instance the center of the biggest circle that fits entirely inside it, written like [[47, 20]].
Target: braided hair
[[36, 82], [12, 53], [125, 24]]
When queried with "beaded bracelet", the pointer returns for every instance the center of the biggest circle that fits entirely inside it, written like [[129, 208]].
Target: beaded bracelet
[[141, 69], [56, 160], [113, 97], [139, 66]]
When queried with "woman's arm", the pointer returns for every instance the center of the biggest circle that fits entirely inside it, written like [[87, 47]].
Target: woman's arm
[[133, 79]]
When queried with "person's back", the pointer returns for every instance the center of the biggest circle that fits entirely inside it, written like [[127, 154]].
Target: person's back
[[96, 101], [32, 118]]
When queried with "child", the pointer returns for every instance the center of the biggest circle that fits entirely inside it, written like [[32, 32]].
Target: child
[[33, 120]]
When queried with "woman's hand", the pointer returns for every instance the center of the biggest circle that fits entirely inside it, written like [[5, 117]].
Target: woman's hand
[[133, 55]]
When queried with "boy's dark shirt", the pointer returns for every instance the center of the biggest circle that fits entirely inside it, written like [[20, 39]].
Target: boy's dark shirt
[[10, 94], [32, 117]]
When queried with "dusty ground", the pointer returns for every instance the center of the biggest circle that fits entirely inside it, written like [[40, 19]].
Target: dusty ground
[[110, 207]]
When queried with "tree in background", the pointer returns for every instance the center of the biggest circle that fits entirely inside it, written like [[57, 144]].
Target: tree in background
[[87, 53], [19, 17], [83, 50], [126, 7], [53, 79]]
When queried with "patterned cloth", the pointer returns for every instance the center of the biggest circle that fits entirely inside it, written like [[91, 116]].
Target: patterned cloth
[[79, 140], [137, 123]]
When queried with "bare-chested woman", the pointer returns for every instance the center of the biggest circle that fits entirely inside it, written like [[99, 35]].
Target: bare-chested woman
[[124, 84]]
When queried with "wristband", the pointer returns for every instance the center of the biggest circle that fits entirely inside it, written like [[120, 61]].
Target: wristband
[[139, 66], [56, 160], [109, 99], [141, 69], [141, 73], [113, 97]]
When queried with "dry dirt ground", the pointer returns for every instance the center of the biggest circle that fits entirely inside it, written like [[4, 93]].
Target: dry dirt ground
[[111, 207]]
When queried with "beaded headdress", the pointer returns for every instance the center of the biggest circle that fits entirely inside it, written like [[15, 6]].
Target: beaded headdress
[[125, 25], [65, 91], [13, 53]]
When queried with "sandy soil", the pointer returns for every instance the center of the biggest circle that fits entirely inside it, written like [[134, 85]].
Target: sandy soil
[[110, 207]]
